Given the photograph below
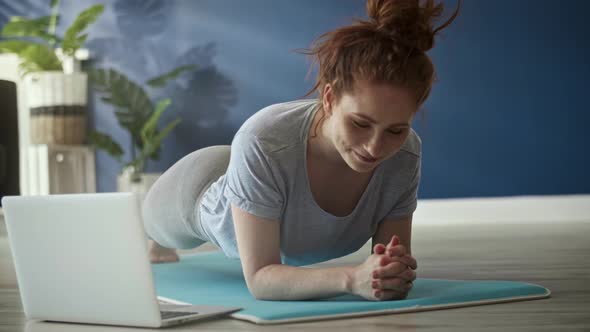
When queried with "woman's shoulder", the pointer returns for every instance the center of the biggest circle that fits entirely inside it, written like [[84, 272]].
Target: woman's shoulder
[[404, 162], [277, 116], [413, 144], [281, 123]]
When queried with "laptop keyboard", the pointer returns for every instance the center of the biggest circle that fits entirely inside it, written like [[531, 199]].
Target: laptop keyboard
[[172, 314]]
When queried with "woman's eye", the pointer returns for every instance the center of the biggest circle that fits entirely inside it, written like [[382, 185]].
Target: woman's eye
[[396, 132], [365, 125], [360, 125]]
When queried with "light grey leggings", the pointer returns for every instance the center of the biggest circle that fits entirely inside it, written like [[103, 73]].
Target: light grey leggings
[[170, 209]]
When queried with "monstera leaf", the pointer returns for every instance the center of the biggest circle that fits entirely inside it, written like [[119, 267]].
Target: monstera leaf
[[135, 113], [212, 91], [131, 101], [201, 55], [105, 142], [161, 80]]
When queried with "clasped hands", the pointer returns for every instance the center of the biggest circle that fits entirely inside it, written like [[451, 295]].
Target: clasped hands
[[387, 274]]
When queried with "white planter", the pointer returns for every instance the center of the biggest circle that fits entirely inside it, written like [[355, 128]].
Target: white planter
[[57, 105], [124, 184]]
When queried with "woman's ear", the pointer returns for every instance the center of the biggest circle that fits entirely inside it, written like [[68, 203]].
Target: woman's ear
[[328, 99]]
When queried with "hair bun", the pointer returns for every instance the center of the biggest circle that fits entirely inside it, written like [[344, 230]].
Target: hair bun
[[406, 21]]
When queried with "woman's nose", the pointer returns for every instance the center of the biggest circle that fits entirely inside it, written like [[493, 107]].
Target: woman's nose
[[375, 147]]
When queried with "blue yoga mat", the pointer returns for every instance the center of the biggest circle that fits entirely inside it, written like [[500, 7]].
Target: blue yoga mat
[[213, 279]]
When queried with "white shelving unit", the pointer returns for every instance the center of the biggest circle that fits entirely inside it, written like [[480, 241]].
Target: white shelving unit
[[47, 169], [61, 169]]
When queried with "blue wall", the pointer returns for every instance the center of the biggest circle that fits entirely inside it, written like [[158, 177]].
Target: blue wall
[[506, 117]]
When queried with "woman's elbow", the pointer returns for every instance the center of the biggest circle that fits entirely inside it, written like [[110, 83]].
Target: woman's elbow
[[261, 296], [263, 291], [260, 293], [255, 289]]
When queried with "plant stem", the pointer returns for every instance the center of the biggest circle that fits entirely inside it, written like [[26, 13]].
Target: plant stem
[[136, 174], [53, 21], [132, 148]]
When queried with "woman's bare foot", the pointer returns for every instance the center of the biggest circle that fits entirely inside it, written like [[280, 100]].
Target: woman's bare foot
[[159, 254]]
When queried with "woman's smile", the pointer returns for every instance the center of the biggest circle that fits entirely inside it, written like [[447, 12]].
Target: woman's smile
[[364, 159]]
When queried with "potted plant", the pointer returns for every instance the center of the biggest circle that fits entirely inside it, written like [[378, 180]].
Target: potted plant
[[137, 114], [56, 91]]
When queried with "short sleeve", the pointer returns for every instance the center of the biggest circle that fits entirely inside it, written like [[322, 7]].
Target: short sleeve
[[251, 182], [408, 201]]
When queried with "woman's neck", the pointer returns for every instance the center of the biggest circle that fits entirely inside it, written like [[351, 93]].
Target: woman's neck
[[320, 146]]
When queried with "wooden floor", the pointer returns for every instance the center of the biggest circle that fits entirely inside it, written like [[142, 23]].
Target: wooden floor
[[555, 255]]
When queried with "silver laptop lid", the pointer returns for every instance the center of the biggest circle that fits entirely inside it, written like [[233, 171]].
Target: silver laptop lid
[[82, 258]]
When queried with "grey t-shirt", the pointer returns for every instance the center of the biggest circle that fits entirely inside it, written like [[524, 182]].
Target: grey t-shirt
[[267, 177]]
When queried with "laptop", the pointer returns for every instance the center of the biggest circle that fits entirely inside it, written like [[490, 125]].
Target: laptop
[[83, 258]]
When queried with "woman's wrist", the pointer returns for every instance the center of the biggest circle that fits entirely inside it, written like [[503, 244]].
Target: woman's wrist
[[348, 276]]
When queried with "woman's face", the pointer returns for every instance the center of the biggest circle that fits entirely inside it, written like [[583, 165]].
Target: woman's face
[[370, 124]]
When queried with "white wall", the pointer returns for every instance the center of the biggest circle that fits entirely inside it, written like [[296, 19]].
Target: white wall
[[519, 209]]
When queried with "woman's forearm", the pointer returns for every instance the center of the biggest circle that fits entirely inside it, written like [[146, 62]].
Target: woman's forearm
[[283, 282]]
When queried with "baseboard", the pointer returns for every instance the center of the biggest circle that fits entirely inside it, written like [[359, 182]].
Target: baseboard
[[512, 209]]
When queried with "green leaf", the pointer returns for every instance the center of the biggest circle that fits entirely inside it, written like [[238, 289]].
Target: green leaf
[[150, 127], [98, 77], [19, 26], [152, 146], [105, 142], [14, 46], [53, 18], [38, 58], [156, 154], [72, 41], [24, 27], [81, 39], [160, 136], [162, 79], [132, 103]]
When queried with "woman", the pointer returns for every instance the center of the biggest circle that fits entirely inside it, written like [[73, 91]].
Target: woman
[[311, 180]]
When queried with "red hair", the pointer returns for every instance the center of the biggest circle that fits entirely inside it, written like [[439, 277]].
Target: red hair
[[390, 47]]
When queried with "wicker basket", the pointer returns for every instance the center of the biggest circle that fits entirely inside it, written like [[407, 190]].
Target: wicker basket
[[57, 104]]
